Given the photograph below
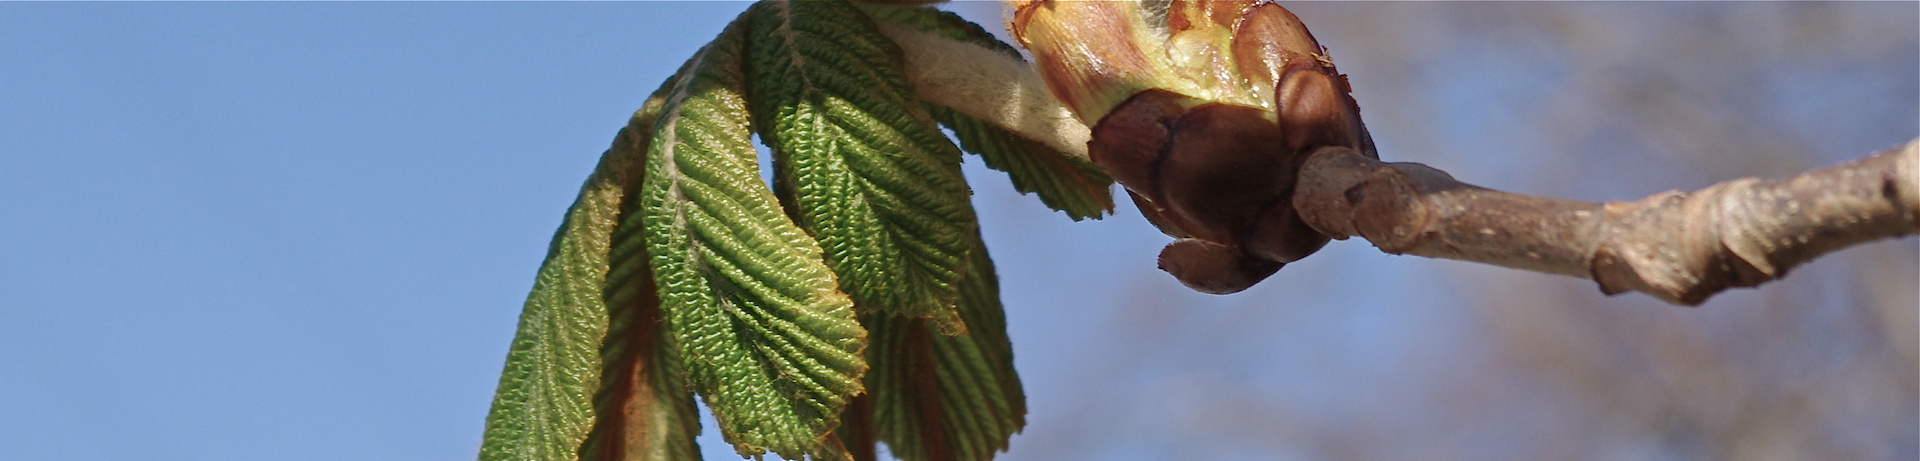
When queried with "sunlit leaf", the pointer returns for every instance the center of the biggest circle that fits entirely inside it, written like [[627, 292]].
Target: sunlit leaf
[[945, 24], [937, 397], [1063, 182], [875, 181], [645, 412], [766, 337], [543, 408]]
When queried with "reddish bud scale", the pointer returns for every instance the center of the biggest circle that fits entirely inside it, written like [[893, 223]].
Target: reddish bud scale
[[1203, 111], [1097, 58]]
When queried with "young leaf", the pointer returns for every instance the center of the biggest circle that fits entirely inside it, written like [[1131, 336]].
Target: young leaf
[[874, 179], [941, 398], [925, 18], [1063, 182], [765, 335], [644, 410], [543, 406]]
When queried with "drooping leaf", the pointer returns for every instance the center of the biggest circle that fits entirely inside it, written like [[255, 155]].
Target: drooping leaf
[[543, 407], [947, 398], [1063, 182], [945, 24], [644, 410], [766, 337], [875, 181]]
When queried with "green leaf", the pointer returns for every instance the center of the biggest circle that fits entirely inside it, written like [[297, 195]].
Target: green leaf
[[644, 409], [1063, 182], [938, 397], [875, 181], [944, 24], [765, 335], [543, 406]]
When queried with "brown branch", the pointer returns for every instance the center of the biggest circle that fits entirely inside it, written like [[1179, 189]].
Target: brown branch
[[1679, 247]]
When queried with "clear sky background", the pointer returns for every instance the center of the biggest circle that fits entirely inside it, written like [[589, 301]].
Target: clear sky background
[[292, 231]]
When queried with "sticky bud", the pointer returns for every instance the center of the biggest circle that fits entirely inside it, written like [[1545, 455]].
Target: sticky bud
[[1203, 110]]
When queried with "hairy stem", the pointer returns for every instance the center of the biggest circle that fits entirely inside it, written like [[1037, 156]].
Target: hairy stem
[[989, 86]]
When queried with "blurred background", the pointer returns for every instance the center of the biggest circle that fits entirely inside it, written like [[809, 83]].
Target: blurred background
[[304, 231]]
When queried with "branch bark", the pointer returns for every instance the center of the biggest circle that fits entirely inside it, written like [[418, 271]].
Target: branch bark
[[1680, 247]]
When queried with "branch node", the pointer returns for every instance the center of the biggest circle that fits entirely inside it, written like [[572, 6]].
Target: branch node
[[1330, 183], [1388, 211], [1677, 246]]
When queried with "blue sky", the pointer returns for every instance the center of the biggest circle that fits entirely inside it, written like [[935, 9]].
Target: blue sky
[[304, 231], [291, 231]]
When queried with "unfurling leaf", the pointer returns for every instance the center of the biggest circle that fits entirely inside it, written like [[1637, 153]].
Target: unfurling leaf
[[1063, 182], [644, 411], [766, 337], [679, 272], [552, 390], [874, 179], [941, 23], [545, 403], [947, 398]]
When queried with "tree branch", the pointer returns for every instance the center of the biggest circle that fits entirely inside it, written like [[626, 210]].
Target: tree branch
[[1679, 247]]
